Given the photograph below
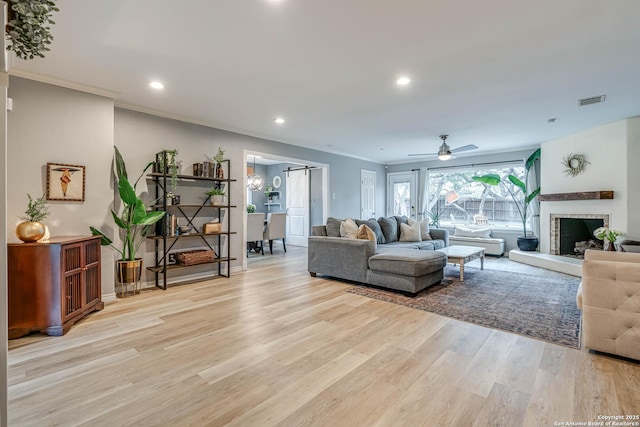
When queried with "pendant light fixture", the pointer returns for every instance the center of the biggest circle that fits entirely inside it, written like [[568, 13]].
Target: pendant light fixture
[[255, 182], [444, 153]]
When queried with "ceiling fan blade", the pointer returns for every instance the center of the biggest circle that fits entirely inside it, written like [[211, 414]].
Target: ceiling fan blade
[[422, 154], [464, 148]]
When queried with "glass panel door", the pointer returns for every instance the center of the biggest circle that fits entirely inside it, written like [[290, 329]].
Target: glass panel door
[[402, 194]]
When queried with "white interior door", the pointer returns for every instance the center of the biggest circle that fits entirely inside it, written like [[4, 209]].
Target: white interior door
[[297, 208], [402, 190], [367, 194]]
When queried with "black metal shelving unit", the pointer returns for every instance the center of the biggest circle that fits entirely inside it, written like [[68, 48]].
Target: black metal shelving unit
[[163, 243]]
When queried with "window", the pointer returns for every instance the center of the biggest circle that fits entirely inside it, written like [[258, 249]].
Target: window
[[474, 200]]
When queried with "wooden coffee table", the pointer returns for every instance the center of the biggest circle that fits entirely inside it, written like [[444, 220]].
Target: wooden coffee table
[[462, 254]]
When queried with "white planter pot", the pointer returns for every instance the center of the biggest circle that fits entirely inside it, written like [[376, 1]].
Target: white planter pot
[[217, 200]]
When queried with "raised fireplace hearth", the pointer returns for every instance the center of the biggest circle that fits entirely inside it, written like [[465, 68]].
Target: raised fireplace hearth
[[572, 234]]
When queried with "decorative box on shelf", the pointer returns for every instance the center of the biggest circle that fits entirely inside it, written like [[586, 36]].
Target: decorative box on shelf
[[211, 227]]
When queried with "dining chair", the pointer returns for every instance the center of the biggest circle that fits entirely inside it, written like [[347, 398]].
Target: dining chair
[[255, 227], [276, 229]]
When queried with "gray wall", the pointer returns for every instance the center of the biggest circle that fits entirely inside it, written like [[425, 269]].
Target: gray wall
[[272, 172], [315, 198], [53, 124]]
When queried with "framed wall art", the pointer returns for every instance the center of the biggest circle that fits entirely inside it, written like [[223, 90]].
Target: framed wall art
[[65, 182]]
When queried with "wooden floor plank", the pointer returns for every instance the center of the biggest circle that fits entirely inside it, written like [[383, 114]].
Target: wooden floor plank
[[273, 346]]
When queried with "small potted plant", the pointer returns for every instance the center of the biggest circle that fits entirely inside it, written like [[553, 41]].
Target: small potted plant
[[32, 230], [609, 235], [251, 208], [216, 196], [167, 163]]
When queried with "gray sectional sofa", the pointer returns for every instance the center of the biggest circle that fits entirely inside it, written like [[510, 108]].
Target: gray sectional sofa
[[408, 267]]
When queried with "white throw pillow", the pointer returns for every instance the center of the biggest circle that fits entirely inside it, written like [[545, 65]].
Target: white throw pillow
[[472, 232], [349, 229], [424, 228], [410, 233]]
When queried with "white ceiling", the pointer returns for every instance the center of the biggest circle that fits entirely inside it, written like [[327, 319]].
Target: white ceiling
[[488, 73]]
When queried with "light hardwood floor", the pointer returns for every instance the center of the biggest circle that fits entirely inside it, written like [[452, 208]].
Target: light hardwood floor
[[274, 346]]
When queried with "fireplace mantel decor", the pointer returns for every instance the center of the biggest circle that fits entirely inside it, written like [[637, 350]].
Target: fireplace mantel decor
[[584, 195]]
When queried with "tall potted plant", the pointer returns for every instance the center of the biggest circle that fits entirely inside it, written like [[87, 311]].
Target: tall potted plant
[[134, 220], [521, 197]]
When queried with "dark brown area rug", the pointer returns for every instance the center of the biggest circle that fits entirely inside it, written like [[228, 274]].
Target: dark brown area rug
[[537, 306]]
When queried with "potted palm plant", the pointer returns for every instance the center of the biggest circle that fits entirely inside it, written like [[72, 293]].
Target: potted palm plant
[[522, 197], [134, 221]]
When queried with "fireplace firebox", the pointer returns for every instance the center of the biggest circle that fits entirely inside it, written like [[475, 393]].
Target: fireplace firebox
[[571, 234]]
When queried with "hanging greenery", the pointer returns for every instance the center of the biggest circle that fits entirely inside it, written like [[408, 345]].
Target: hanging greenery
[[28, 30]]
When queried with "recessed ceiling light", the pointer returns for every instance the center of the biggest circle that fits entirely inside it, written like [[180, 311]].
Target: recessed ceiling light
[[156, 85], [403, 81], [279, 120]]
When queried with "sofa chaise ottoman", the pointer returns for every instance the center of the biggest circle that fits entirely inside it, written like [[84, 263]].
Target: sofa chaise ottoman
[[406, 270]]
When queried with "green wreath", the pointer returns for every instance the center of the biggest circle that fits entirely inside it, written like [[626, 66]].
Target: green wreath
[[574, 164]]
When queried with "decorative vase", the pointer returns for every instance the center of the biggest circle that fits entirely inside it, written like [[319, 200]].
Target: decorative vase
[[30, 231], [527, 243], [219, 171], [611, 246], [217, 200]]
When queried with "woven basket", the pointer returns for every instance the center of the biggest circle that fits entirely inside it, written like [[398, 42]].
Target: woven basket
[[199, 256]]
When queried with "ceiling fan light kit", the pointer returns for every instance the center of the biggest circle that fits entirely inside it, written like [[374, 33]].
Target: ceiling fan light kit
[[444, 153]]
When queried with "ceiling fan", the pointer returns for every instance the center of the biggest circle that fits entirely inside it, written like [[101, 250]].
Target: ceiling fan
[[445, 152]]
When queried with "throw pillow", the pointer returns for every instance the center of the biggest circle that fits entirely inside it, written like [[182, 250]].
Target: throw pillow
[[349, 229], [424, 228], [389, 227], [365, 233], [401, 220], [333, 227], [374, 226], [410, 233], [472, 232]]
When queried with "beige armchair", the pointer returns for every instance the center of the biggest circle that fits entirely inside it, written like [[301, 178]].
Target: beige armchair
[[609, 297], [276, 229], [255, 227]]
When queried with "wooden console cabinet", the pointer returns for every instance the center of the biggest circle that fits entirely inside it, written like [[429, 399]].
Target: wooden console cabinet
[[53, 285]]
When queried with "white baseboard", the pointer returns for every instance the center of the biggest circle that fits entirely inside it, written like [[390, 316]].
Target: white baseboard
[[109, 298]]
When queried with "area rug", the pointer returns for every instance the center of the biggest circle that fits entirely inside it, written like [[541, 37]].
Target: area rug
[[536, 306]]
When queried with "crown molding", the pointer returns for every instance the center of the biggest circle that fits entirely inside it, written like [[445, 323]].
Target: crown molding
[[64, 83]]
